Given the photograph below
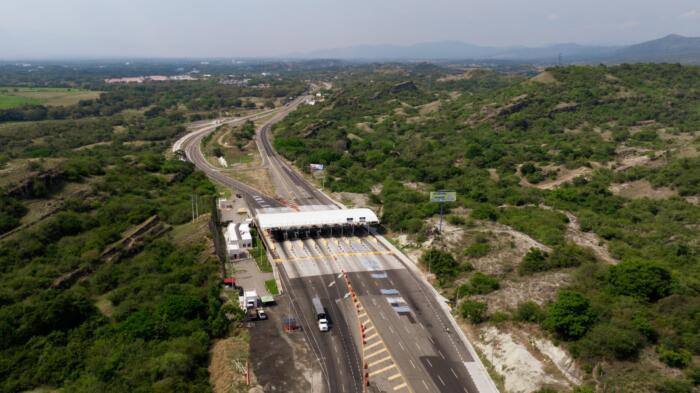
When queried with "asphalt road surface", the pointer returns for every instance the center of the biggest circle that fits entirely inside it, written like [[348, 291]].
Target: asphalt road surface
[[412, 346]]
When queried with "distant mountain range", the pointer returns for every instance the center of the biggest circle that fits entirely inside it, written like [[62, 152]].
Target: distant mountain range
[[672, 48]]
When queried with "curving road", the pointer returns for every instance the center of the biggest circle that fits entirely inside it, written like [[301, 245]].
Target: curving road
[[419, 350]]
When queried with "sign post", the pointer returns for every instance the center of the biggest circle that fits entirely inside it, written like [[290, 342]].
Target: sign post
[[319, 169], [441, 197]]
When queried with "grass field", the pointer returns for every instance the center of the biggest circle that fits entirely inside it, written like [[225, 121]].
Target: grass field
[[11, 97]]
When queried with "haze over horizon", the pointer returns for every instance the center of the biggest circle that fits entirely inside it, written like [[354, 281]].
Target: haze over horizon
[[178, 28]]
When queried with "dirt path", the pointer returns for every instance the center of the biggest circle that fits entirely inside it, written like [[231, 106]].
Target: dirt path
[[587, 239]]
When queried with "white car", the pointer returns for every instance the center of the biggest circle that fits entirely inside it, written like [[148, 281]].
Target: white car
[[323, 325]]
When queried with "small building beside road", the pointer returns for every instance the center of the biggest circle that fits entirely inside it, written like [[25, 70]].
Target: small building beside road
[[238, 240]]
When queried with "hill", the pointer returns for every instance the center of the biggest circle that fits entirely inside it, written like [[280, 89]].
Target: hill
[[576, 217], [670, 49]]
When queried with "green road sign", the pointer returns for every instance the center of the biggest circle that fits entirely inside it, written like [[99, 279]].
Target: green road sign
[[443, 196]]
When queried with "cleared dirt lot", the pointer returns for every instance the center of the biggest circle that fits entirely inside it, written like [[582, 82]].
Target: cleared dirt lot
[[282, 362]]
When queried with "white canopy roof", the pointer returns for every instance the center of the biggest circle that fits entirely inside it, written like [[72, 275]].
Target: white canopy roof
[[316, 218]]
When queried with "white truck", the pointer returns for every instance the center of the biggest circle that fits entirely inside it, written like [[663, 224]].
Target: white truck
[[320, 314], [249, 302]]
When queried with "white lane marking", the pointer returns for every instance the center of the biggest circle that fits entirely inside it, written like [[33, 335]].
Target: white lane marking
[[417, 345], [428, 361], [425, 384], [441, 381], [453, 372], [407, 329], [431, 340], [401, 345], [391, 329], [331, 284], [382, 315], [441, 355], [412, 365]]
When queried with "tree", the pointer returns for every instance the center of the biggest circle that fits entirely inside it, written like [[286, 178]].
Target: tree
[[570, 315], [641, 279]]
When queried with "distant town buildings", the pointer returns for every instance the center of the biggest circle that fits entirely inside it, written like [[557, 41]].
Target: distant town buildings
[[150, 78]]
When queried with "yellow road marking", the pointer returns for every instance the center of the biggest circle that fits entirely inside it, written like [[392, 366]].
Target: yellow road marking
[[375, 353], [374, 345], [403, 385], [371, 337], [393, 377], [329, 256], [387, 368], [384, 359]]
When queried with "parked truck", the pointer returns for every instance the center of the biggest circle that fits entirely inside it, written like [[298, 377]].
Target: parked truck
[[320, 314], [249, 302]]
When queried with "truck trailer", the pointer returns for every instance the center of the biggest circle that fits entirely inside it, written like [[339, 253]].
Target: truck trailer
[[321, 316]]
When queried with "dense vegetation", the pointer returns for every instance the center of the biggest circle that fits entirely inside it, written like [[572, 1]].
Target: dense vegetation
[[72, 315], [397, 135]]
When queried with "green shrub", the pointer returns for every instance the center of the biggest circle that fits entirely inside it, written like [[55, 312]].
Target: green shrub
[[641, 279], [612, 342], [534, 261], [441, 263], [562, 256], [680, 358], [499, 317], [570, 316], [477, 250], [456, 220], [529, 312], [480, 284], [473, 311], [673, 386]]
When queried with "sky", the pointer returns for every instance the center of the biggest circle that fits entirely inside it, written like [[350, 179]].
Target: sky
[[263, 28]]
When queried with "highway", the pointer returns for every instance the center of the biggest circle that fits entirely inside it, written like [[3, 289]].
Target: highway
[[413, 345], [191, 144]]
